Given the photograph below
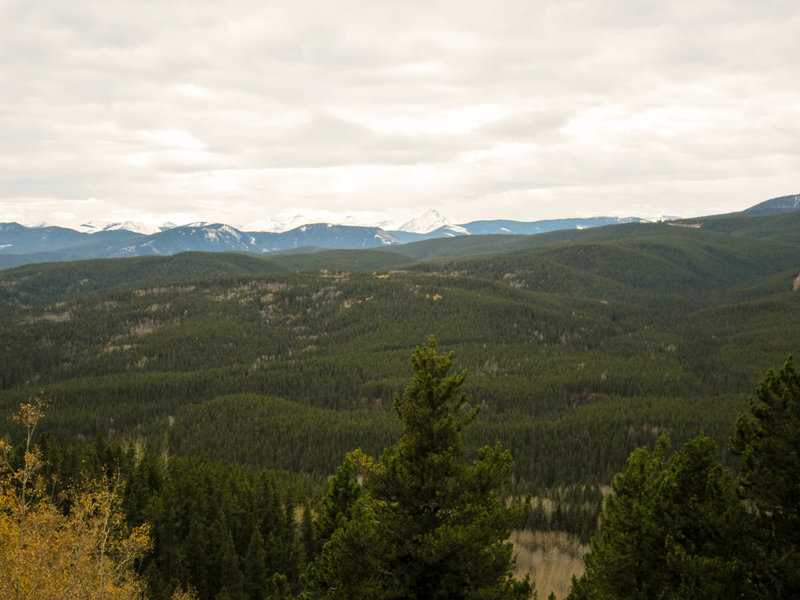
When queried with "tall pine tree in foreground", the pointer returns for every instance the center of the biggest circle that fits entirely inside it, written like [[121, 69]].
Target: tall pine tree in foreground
[[767, 437], [428, 525], [680, 527], [671, 530], [337, 506]]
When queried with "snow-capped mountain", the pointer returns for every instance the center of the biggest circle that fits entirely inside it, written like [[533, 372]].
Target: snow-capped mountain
[[20, 245], [271, 225], [203, 237], [295, 221], [95, 239], [327, 235], [427, 222], [290, 223], [132, 226]]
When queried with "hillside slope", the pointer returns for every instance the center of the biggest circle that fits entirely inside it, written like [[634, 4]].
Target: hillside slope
[[579, 347]]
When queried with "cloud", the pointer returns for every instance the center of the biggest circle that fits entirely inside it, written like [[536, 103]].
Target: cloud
[[513, 109]]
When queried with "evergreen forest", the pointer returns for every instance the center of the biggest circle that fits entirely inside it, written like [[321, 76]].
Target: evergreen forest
[[259, 422]]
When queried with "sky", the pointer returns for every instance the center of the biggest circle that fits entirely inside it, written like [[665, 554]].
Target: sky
[[246, 112]]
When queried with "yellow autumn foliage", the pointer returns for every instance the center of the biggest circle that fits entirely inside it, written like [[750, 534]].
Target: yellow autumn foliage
[[45, 554]]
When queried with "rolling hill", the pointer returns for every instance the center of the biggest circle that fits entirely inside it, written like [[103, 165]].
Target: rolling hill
[[580, 345]]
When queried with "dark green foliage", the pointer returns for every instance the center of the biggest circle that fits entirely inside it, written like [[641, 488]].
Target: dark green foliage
[[672, 529], [44, 283], [680, 526], [582, 345], [226, 570], [308, 539], [341, 260], [337, 506], [767, 437], [576, 510], [279, 433], [268, 359], [428, 525], [279, 588], [217, 528], [220, 530], [256, 575]]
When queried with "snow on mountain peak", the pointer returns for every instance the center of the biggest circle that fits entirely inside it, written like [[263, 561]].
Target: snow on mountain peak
[[429, 221], [265, 225], [276, 225], [133, 226]]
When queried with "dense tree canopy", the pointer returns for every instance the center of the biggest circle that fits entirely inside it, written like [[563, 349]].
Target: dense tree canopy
[[680, 525], [767, 437], [428, 525], [671, 529], [578, 354]]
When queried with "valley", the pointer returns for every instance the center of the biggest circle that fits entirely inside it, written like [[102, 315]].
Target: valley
[[579, 345]]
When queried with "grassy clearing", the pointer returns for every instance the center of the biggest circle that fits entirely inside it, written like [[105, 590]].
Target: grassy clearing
[[551, 558]]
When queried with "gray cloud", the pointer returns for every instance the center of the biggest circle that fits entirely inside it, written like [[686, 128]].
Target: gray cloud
[[517, 109]]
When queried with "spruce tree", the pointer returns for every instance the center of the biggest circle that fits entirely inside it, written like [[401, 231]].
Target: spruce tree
[[671, 530], [228, 574], [337, 506], [767, 437], [627, 555], [307, 537], [428, 525], [256, 578]]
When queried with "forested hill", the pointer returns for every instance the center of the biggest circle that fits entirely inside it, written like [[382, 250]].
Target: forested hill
[[43, 283], [580, 346]]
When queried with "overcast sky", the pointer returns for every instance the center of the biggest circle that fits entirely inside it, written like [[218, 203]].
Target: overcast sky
[[241, 111]]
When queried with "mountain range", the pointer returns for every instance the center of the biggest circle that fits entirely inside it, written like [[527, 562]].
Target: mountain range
[[21, 245], [581, 344]]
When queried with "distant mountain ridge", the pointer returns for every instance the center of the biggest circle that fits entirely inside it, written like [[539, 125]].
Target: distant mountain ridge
[[132, 226], [430, 221], [21, 245], [775, 206]]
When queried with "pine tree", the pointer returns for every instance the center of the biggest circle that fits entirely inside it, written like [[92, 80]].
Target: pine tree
[[307, 538], [767, 437], [627, 555], [671, 530], [337, 506], [229, 576], [256, 578], [428, 524]]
